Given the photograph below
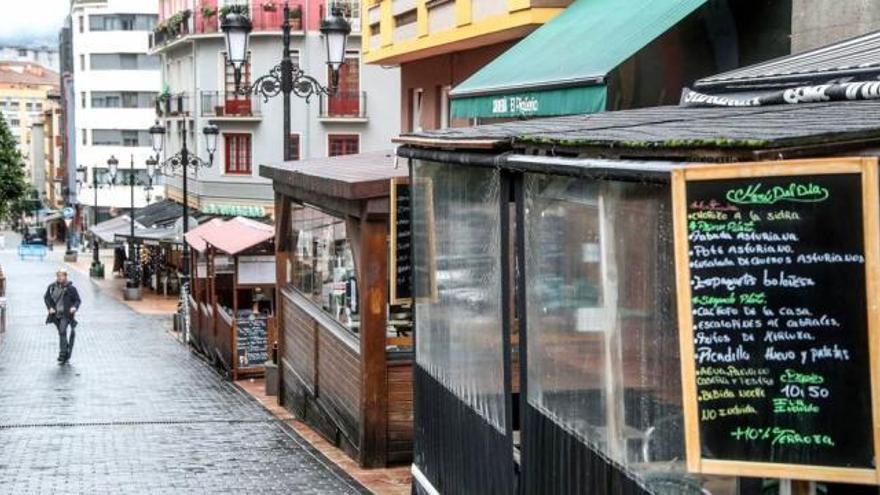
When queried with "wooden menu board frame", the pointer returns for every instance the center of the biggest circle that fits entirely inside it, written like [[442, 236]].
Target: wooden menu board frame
[[392, 239], [392, 255], [866, 168]]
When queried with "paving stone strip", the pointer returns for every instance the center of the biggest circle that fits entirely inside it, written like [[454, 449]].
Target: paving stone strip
[[134, 411]]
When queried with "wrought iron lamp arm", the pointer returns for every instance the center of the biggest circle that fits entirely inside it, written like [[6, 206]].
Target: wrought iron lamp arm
[[177, 161], [301, 84]]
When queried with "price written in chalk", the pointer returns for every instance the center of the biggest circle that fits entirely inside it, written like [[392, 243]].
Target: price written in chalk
[[780, 355]]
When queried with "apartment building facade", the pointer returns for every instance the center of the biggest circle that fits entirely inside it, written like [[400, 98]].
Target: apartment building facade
[[26, 91], [439, 44], [115, 83], [199, 89], [44, 55], [55, 167]]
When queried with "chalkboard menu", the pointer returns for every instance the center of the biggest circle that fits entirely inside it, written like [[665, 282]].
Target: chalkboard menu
[[401, 242], [777, 266], [252, 340]]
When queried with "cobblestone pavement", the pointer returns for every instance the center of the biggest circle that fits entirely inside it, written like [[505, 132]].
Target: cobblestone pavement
[[133, 412]]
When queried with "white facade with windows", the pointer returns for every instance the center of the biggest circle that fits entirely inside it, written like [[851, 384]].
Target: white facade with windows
[[47, 56], [200, 82], [116, 82]]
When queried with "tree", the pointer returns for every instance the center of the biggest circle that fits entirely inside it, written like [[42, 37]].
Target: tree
[[13, 186]]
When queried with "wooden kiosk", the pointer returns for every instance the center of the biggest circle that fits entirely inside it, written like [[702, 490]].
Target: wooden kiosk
[[345, 349], [234, 294], [200, 306]]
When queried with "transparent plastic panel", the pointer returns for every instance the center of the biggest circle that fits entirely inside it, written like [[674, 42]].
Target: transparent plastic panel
[[323, 265], [602, 336], [456, 235]]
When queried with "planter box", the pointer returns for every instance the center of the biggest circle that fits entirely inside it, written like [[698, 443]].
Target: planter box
[[132, 294]]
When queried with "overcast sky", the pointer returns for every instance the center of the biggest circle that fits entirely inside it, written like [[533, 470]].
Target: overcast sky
[[26, 20]]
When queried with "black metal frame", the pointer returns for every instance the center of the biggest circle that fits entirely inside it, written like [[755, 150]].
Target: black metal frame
[[184, 160], [286, 79], [134, 268], [97, 267]]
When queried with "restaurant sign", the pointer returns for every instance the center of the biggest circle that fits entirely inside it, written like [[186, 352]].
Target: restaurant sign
[[777, 272], [248, 211], [531, 103]]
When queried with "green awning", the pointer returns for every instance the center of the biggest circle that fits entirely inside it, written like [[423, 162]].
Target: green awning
[[561, 68]]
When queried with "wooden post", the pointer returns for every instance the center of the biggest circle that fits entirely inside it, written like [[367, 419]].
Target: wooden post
[[373, 301], [282, 250], [233, 340]]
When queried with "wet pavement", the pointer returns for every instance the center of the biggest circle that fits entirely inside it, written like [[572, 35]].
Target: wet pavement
[[133, 411]]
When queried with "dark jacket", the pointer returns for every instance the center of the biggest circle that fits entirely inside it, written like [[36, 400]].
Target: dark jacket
[[71, 300]]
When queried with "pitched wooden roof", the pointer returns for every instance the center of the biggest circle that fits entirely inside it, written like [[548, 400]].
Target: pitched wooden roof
[[351, 177]]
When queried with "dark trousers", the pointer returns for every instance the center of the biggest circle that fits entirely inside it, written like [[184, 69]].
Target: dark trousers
[[66, 337]]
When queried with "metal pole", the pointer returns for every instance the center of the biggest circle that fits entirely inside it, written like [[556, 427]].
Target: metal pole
[[131, 250], [286, 80], [184, 286], [95, 260], [184, 159]]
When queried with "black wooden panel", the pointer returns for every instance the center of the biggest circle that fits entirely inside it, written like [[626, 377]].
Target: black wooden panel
[[456, 449], [557, 462]]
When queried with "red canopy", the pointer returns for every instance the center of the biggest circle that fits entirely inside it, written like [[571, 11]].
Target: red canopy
[[237, 235], [195, 237]]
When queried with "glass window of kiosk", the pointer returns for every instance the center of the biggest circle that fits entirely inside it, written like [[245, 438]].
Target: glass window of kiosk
[[460, 321], [602, 337], [322, 264]]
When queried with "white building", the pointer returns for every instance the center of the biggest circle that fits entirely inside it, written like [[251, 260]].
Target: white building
[[47, 56], [363, 116], [116, 82]]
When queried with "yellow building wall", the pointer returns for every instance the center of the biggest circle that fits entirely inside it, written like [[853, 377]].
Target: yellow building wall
[[514, 19], [12, 93]]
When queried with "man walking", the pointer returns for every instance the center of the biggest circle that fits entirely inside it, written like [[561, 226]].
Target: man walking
[[62, 300]]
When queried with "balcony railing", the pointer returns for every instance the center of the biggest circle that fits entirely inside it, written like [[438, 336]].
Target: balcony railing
[[178, 105], [265, 15], [344, 105], [220, 104], [173, 28]]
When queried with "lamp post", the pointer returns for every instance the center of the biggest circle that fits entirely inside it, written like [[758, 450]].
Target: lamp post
[[286, 78], [133, 289], [184, 160], [97, 268]]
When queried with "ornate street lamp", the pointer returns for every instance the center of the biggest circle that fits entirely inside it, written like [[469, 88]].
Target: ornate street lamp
[[286, 78], [133, 291], [97, 268], [237, 28], [335, 30], [184, 160]]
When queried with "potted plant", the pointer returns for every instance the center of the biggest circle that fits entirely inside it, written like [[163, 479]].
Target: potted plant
[[132, 290], [238, 9], [163, 101], [296, 14], [208, 11], [270, 7]]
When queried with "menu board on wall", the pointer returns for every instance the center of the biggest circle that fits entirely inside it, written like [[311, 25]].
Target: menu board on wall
[[256, 270], [223, 264], [777, 302], [252, 340], [400, 258]]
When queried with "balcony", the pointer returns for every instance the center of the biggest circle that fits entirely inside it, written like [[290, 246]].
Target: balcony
[[220, 105], [172, 29], [178, 105], [344, 106]]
